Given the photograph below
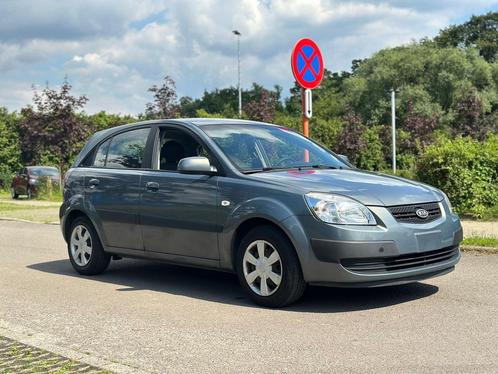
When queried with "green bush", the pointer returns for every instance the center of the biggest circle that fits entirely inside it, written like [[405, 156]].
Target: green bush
[[467, 170], [372, 157], [47, 190]]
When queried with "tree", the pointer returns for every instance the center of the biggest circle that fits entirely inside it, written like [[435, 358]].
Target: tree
[[10, 151], [351, 141], [469, 119], [53, 129], [262, 109], [420, 127], [480, 32], [165, 103]]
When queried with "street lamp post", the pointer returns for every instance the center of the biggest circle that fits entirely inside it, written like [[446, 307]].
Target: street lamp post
[[393, 126], [238, 34]]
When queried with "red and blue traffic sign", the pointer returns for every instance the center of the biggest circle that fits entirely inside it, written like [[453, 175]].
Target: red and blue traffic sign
[[307, 63]]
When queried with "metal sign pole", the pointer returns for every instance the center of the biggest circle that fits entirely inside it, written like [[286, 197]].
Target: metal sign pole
[[306, 120], [393, 127]]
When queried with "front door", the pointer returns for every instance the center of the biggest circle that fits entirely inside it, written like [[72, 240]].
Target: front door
[[178, 211]]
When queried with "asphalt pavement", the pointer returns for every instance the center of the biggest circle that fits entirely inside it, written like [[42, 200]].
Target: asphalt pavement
[[151, 317]]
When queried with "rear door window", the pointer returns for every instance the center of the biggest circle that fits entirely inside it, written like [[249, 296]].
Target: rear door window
[[127, 150], [101, 154]]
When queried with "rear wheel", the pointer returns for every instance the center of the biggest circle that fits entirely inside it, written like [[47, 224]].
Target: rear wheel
[[85, 249], [13, 193], [268, 268]]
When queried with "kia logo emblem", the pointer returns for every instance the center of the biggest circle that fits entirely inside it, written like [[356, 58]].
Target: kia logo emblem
[[422, 213]]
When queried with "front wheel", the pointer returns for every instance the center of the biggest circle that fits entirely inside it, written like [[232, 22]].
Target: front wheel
[[268, 268], [85, 249]]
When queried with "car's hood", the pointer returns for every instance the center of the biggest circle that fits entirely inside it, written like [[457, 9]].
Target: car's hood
[[366, 187]]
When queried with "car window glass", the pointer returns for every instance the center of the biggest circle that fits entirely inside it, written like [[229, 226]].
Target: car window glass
[[176, 144], [126, 150], [252, 147], [44, 171], [101, 154]]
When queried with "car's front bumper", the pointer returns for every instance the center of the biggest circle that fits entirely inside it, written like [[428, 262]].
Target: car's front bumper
[[386, 254]]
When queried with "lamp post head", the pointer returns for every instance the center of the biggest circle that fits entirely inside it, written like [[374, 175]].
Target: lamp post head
[[236, 32]]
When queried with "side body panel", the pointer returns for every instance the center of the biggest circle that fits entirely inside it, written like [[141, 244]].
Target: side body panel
[[249, 199]]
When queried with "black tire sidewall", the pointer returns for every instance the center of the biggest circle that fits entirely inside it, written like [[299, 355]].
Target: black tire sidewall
[[292, 285], [99, 260]]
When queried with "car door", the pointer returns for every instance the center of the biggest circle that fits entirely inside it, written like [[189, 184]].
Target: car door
[[178, 211], [112, 187]]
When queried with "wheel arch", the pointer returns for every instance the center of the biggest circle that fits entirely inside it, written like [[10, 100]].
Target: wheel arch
[[247, 225], [71, 216]]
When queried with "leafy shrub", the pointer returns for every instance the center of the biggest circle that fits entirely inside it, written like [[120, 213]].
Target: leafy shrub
[[5, 178], [372, 156], [467, 170], [47, 189]]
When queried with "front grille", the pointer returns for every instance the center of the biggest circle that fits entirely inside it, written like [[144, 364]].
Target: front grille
[[407, 213], [387, 264]]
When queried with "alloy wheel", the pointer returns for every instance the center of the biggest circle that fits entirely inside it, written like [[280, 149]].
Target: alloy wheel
[[262, 267], [81, 245]]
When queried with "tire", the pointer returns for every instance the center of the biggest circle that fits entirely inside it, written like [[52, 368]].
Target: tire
[[29, 193], [85, 249], [13, 193], [292, 284]]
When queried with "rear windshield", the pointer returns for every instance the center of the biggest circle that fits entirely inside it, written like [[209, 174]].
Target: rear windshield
[[43, 171]]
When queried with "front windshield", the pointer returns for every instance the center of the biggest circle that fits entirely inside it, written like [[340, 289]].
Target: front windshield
[[43, 171], [263, 147]]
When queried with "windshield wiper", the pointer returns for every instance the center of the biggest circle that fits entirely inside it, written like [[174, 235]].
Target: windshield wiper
[[317, 166]]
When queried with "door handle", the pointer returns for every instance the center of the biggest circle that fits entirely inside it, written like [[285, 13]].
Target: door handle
[[92, 183], [152, 186]]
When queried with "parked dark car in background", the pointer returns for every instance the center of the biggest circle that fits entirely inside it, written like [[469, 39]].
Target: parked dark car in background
[[27, 181], [256, 199]]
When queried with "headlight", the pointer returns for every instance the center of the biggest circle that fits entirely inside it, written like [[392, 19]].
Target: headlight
[[339, 209], [33, 181], [448, 202]]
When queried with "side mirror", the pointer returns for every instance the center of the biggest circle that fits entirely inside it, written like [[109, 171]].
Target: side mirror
[[345, 159], [196, 165]]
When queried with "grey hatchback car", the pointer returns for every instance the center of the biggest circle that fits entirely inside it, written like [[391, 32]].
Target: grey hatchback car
[[252, 198]]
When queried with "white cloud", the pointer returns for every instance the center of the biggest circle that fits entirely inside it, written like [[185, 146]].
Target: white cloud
[[114, 50]]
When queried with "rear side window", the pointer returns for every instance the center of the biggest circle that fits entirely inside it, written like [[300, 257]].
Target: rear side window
[[101, 154], [126, 150]]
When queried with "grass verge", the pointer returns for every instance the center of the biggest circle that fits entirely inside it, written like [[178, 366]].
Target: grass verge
[[34, 211], [481, 241]]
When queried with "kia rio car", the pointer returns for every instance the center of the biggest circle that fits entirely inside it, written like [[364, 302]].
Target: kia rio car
[[252, 198]]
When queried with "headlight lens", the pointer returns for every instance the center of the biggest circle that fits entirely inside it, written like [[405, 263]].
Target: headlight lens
[[339, 209], [448, 202]]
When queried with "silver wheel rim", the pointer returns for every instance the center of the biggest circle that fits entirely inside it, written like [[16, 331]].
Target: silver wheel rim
[[81, 245], [262, 268]]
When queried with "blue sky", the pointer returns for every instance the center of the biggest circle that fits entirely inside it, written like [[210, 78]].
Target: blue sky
[[113, 50]]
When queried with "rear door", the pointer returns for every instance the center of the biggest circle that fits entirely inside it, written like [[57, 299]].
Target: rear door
[[112, 186], [178, 211]]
